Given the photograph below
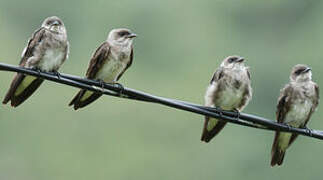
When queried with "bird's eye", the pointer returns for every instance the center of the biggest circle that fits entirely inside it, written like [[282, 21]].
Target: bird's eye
[[49, 22], [232, 59], [299, 71], [123, 33]]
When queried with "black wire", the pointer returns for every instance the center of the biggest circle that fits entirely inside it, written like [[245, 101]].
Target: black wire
[[123, 92]]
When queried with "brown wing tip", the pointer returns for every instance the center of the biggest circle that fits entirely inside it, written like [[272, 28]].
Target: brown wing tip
[[205, 138], [76, 107], [4, 102], [6, 99], [277, 158], [13, 103], [71, 103], [75, 100]]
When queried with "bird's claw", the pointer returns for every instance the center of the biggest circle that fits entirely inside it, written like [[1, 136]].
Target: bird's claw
[[36, 69], [219, 111], [101, 82], [56, 73], [288, 126], [238, 113], [309, 130]]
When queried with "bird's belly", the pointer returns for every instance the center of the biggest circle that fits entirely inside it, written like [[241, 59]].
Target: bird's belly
[[229, 99], [110, 70], [52, 59], [298, 113]]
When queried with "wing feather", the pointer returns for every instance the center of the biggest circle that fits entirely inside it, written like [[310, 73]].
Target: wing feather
[[97, 60]]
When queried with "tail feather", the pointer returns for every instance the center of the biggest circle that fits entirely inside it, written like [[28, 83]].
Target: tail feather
[[78, 101], [277, 157], [76, 97], [13, 87], [277, 154], [21, 88], [207, 134]]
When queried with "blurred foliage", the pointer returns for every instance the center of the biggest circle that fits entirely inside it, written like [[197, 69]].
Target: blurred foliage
[[179, 46]]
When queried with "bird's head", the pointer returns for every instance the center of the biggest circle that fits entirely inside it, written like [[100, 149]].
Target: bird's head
[[233, 62], [121, 36], [54, 24], [301, 73]]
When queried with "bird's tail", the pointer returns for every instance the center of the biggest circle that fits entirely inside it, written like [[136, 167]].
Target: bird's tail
[[211, 128], [277, 154], [21, 88], [83, 98]]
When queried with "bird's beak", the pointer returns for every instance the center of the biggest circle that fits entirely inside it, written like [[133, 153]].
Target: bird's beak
[[241, 59], [307, 70], [132, 35], [55, 23]]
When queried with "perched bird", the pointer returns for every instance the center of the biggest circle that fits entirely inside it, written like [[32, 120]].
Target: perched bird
[[107, 64], [46, 51], [296, 103], [229, 89]]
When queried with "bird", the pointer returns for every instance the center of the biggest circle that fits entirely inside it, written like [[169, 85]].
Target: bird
[[108, 63], [46, 51], [229, 89], [296, 104]]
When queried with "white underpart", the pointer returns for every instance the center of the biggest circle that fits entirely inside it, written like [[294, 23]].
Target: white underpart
[[52, 59], [295, 117], [209, 94], [24, 51], [111, 70], [229, 99], [209, 102], [108, 73]]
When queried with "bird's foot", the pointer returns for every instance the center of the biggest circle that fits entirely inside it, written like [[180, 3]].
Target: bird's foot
[[101, 82], [36, 69], [238, 113], [288, 126], [56, 73], [219, 111], [309, 131]]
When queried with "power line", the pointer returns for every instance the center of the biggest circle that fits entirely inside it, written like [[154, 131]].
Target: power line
[[118, 90]]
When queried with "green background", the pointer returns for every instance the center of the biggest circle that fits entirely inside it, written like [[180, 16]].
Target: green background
[[180, 44]]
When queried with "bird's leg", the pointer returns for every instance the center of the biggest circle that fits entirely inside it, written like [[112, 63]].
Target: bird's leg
[[309, 130], [238, 113], [56, 73], [102, 85], [219, 111], [288, 126], [36, 69]]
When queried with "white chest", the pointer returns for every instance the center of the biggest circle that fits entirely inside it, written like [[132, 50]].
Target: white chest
[[298, 113], [232, 93], [121, 53], [110, 70], [229, 98], [52, 59]]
